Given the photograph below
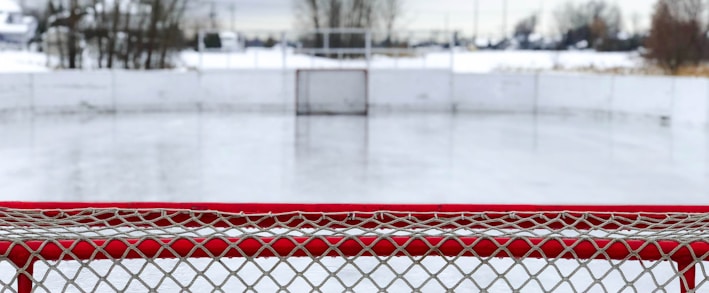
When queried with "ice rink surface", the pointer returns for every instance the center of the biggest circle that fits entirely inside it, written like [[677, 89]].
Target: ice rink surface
[[401, 158]]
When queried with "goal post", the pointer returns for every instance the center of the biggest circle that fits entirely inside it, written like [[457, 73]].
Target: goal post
[[332, 92], [86, 247]]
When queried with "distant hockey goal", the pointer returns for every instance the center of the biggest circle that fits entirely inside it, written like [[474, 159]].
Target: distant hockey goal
[[168, 247], [331, 92]]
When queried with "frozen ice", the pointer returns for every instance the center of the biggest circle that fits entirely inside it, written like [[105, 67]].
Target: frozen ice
[[396, 158]]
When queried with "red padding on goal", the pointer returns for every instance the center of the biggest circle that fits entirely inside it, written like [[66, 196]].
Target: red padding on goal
[[353, 246]]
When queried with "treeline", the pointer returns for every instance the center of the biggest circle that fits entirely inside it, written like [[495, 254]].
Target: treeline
[[679, 36], [352, 14], [130, 34], [147, 34], [595, 24]]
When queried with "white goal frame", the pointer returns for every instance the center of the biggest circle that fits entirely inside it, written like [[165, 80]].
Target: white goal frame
[[302, 91]]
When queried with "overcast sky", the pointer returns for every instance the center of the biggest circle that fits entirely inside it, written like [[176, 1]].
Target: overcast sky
[[424, 14], [434, 14]]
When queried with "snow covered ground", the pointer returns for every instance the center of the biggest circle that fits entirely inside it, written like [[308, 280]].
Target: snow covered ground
[[22, 61], [463, 61]]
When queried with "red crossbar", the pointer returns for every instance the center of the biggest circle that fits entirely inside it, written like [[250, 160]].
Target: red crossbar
[[341, 215], [261, 208], [97, 249]]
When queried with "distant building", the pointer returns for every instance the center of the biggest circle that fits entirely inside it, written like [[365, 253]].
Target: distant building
[[16, 29], [223, 41]]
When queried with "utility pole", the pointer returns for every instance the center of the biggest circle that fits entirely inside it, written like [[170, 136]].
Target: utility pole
[[232, 10], [446, 26], [504, 19], [540, 21], [476, 15], [213, 14]]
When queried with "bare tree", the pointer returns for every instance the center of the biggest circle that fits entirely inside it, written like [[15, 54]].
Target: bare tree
[[63, 23], [173, 34], [332, 14], [390, 11], [596, 22], [676, 35], [143, 34], [525, 28], [310, 13]]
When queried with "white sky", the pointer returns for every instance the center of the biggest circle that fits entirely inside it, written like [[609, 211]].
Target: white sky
[[421, 14], [432, 14]]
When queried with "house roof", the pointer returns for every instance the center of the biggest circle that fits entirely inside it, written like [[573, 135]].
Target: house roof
[[10, 6]]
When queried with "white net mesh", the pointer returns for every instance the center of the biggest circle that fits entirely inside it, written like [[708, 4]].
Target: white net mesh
[[331, 91], [170, 250]]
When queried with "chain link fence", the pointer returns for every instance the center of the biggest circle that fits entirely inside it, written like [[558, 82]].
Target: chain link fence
[[326, 48]]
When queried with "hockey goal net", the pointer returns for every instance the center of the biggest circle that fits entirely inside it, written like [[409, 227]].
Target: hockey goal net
[[150, 247], [331, 92]]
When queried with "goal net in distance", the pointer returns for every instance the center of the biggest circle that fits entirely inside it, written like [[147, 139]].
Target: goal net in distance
[[178, 247], [331, 92]]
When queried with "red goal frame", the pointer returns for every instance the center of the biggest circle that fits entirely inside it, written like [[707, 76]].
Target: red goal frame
[[22, 255]]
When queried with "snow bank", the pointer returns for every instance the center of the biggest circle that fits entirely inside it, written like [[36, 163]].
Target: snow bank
[[478, 62], [488, 61], [20, 61], [461, 61]]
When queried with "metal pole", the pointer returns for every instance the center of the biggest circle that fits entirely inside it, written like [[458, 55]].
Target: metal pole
[[504, 19], [476, 15], [446, 26], [541, 18], [284, 46], [213, 15], [368, 47], [256, 58], [200, 48], [326, 42], [451, 47], [232, 10]]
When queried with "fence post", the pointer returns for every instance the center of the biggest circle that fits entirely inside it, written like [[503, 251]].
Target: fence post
[[451, 47], [368, 47], [326, 43], [284, 48], [689, 273], [200, 48]]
